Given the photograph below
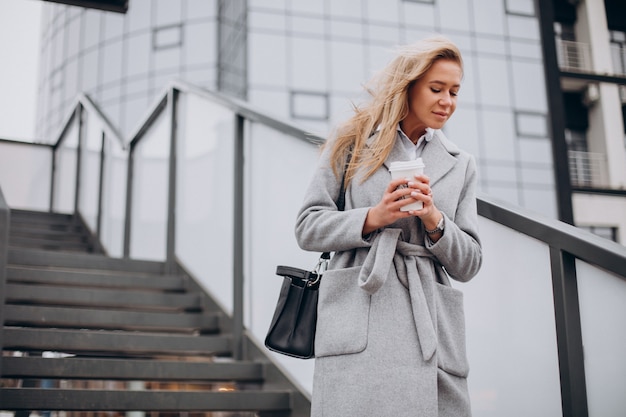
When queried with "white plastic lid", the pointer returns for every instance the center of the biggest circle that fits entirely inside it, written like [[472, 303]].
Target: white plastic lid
[[402, 165]]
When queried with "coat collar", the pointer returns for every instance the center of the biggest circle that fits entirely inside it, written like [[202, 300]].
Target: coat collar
[[439, 155]]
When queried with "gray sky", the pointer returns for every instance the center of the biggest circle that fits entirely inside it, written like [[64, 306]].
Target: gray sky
[[19, 58]]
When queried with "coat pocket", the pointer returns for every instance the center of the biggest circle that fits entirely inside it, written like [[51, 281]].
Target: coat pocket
[[342, 314], [451, 351]]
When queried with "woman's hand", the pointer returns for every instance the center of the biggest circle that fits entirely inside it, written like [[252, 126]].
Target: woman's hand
[[388, 211]]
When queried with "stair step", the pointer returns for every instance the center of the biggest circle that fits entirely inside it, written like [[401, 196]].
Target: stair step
[[128, 299], [49, 244], [35, 257], [131, 369], [115, 343], [118, 400], [94, 278], [83, 318], [39, 216], [59, 235]]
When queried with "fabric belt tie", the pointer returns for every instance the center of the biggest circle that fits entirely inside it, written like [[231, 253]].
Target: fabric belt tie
[[387, 252]]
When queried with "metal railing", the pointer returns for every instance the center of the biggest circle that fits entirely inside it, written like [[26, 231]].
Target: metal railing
[[588, 169], [195, 183], [573, 56]]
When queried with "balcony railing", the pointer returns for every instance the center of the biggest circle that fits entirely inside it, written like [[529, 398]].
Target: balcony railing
[[576, 57], [573, 56], [587, 169], [213, 184]]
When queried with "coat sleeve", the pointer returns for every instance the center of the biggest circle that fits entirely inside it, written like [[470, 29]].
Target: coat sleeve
[[320, 226], [459, 249]]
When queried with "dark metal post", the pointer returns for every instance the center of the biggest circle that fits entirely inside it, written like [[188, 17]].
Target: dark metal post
[[5, 218], [52, 175], [568, 334], [101, 187], [238, 231], [129, 201], [556, 110], [170, 263], [79, 114]]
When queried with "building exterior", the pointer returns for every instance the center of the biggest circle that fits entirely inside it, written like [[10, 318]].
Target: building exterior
[[541, 107]]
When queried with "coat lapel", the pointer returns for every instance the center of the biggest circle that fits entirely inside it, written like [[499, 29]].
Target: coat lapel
[[439, 157]]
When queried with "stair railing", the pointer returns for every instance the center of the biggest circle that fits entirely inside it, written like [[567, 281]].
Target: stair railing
[[166, 188], [5, 218]]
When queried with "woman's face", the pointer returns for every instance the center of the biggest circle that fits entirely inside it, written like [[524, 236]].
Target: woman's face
[[432, 98]]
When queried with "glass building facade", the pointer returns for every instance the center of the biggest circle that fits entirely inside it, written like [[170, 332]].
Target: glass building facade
[[307, 62]]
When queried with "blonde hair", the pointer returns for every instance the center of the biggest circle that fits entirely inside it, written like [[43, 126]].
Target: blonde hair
[[387, 107]]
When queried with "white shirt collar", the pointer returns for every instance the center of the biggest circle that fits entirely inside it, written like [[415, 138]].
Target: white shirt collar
[[414, 150]]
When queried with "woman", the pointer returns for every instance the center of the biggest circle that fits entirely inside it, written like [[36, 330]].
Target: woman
[[390, 335]]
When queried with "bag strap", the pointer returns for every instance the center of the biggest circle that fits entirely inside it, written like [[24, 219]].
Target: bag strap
[[341, 200]]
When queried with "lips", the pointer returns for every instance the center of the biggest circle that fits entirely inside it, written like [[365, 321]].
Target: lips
[[442, 115]]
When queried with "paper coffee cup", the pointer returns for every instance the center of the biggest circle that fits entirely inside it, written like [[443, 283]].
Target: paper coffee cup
[[408, 170]]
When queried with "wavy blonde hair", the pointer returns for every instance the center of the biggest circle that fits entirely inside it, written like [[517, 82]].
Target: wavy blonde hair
[[388, 105]]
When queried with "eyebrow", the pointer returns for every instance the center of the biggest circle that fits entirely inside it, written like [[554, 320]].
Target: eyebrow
[[442, 83]]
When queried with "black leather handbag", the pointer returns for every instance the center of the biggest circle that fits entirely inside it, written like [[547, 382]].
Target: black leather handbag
[[292, 331]]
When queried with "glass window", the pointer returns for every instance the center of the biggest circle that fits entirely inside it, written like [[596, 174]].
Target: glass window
[[267, 59], [270, 20], [498, 135], [529, 86], [346, 29], [489, 17], [167, 12], [523, 27], [73, 38], [384, 33], [352, 9], [305, 7], [91, 31], [113, 25], [138, 58], [309, 105], [301, 24], [348, 66], [138, 16], [198, 9], [521, 7], [531, 124], [167, 37], [90, 70], [308, 69], [454, 14], [493, 81], [420, 14], [383, 11], [200, 44], [111, 62]]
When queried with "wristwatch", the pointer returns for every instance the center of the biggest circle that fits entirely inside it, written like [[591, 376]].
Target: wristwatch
[[439, 228]]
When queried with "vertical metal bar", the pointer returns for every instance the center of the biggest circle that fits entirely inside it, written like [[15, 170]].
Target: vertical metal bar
[[238, 231], [556, 110], [569, 334], [170, 263], [79, 113], [101, 187], [52, 175], [5, 218], [129, 201]]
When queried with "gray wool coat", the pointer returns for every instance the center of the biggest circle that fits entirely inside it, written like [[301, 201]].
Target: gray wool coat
[[390, 335]]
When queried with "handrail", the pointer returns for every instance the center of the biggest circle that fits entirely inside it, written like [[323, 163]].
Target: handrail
[[85, 101], [5, 217], [583, 245]]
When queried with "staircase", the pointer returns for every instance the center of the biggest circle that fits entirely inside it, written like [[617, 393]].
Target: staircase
[[86, 332]]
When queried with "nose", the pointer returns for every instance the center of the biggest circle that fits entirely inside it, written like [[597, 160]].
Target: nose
[[445, 100]]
